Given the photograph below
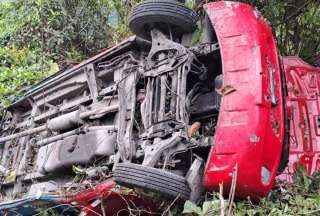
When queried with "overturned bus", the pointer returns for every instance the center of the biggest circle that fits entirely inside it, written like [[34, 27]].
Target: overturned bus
[[162, 114]]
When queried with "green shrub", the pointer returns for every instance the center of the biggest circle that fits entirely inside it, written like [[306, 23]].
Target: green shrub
[[20, 68]]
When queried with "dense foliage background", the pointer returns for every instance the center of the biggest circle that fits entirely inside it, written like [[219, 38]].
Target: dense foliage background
[[39, 37]]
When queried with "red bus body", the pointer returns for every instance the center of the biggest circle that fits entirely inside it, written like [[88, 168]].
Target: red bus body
[[302, 103], [257, 120], [250, 129]]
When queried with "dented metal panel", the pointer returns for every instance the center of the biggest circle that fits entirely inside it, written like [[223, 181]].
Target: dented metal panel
[[250, 128], [302, 81]]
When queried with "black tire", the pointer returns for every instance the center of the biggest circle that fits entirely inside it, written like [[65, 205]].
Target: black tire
[[152, 179], [162, 14]]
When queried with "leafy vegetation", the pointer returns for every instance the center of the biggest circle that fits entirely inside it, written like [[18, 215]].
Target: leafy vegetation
[[19, 68], [36, 36], [299, 198], [65, 31]]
